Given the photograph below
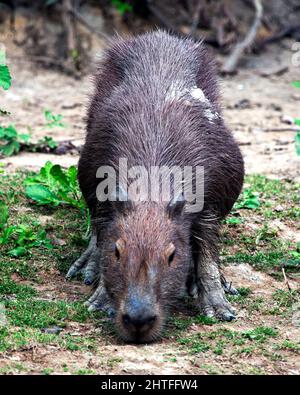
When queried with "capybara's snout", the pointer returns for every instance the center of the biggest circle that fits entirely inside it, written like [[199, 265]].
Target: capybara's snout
[[139, 318]]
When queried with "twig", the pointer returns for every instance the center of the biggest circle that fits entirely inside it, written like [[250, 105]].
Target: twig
[[85, 23], [286, 280], [280, 130], [230, 65]]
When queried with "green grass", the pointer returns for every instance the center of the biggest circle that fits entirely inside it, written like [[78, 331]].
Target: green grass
[[42, 314], [227, 341], [262, 245]]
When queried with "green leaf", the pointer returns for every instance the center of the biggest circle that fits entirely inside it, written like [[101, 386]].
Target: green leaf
[[250, 200], [297, 121], [234, 221], [5, 77], [18, 251], [296, 84], [41, 194], [57, 173], [53, 120], [10, 148], [8, 132]]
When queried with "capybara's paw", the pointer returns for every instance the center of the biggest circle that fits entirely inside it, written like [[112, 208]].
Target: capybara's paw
[[215, 305], [99, 301], [87, 263]]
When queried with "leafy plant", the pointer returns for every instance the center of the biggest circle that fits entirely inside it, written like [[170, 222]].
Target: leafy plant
[[20, 236], [53, 186], [44, 144], [249, 200], [11, 140], [53, 121]]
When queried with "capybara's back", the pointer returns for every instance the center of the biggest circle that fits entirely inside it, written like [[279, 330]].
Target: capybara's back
[[156, 105]]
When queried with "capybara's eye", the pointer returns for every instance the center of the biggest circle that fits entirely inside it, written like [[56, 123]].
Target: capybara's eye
[[170, 253], [171, 257], [119, 248], [117, 253]]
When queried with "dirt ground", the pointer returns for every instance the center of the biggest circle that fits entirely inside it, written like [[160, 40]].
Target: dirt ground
[[254, 104]]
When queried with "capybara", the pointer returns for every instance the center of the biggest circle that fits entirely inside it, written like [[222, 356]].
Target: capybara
[[156, 106]]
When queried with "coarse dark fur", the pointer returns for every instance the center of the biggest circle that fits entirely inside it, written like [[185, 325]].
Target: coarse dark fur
[[130, 117]]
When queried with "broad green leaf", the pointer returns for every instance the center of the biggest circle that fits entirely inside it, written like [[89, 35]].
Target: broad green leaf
[[5, 77], [57, 173], [297, 121], [41, 194], [72, 174]]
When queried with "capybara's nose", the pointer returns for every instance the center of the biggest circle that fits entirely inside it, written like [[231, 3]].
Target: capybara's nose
[[139, 322]]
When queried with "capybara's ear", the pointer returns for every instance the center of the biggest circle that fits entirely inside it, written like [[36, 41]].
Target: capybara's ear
[[175, 207]]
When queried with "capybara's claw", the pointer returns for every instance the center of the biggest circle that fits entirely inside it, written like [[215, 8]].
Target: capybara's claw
[[71, 272], [99, 301], [215, 305], [228, 287], [87, 261]]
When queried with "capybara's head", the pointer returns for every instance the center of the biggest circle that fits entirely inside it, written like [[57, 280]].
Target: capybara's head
[[147, 256]]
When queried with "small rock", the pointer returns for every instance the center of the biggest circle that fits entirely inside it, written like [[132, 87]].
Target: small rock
[[279, 208], [54, 330], [243, 104], [275, 107]]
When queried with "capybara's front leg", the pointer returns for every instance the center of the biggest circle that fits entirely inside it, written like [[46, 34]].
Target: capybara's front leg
[[211, 296], [87, 263]]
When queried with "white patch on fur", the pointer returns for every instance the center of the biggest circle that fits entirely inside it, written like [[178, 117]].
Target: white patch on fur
[[210, 115], [177, 91], [198, 94]]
